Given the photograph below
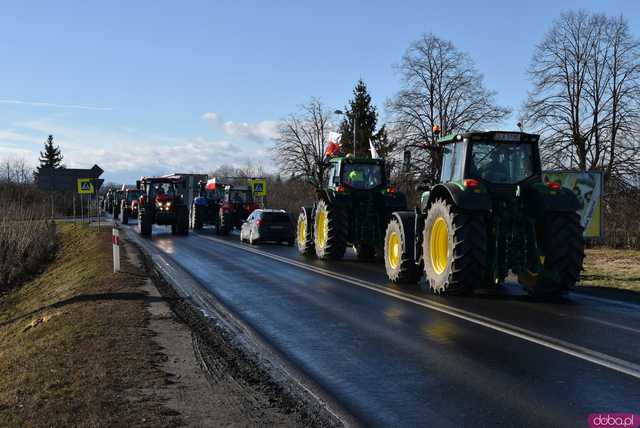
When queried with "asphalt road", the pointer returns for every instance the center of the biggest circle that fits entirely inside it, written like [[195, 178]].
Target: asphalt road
[[397, 356]]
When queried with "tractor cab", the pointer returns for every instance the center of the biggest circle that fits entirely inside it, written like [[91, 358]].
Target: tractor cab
[[490, 157], [346, 174]]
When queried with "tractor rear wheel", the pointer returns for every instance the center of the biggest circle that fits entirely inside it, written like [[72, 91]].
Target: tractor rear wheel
[[399, 263], [330, 231], [561, 259], [124, 214], [226, 225], [454, 249], [145, 225], [304, 233], [197, 212]]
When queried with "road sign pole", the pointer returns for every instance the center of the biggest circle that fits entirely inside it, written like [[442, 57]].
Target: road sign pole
[[81, 210], [115, 240]]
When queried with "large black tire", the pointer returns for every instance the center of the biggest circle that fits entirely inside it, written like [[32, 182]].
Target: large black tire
[[226, 224], [197, 214], [563, 252], [116, 212], [330, 231], [124, 214], [304, 233], [182, 220], [457, 261], [399, 260], [364, 251], [145, 225]]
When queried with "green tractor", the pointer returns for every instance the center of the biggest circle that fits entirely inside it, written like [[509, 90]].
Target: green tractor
[[352, 210], [491, 213]]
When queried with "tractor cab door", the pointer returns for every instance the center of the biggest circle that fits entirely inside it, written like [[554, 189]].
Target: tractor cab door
[[453, 162]]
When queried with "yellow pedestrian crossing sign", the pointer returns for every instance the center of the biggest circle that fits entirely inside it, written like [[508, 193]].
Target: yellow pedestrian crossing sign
[[259, 187], [85, 186]]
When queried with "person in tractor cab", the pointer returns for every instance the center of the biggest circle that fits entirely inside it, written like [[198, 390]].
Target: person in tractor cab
[[355, 178], [493, 169]]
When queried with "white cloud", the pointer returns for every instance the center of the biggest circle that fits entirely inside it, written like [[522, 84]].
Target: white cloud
[[259, 131], [54, 105], [125, 153], [212, 116]]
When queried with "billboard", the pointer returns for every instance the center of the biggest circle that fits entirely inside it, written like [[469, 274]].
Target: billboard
[[587, 186]]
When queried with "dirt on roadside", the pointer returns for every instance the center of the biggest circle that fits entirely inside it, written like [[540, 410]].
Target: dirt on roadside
[[82, 346]]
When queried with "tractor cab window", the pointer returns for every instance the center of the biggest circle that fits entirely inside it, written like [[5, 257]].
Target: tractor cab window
[[214, 194], [333, 174], [132, 195], [502, 163], [362, 176], [453, 162], [162, 189], [239, 196]]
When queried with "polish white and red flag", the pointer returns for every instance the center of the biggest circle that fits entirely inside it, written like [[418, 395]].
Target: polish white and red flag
[[333, 144]]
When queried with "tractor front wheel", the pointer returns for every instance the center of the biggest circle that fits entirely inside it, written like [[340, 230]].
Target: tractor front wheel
[[454, 249], [145, 225], [197, 212], [330, 231], [182, 221], [400, 265], [304, 233], [124, 214]]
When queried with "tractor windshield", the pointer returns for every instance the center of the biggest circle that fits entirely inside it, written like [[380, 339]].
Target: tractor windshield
[[502, 163], [162, 189], [132, 195], [363, 176]]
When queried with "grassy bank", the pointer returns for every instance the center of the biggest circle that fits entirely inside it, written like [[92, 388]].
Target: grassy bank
[[73, 348], [606, 267]]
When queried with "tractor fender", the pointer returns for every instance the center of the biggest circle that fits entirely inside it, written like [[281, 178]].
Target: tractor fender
[[463, 199], [407, 220], [200, 201], [539, 202]]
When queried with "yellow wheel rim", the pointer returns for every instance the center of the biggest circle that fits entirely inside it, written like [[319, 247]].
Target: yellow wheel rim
[[393, 250], [322, 228], [302, 232], [439, 245]]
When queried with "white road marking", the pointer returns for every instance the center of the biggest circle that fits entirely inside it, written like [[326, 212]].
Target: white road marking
[[559, 345]]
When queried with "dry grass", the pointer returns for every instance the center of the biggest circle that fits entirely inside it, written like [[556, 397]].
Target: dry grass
[[605, 267], [26, 241], [74, 350]]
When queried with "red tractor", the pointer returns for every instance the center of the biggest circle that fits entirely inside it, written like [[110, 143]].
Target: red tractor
[[129, 205], [235, 207], [160, 203]]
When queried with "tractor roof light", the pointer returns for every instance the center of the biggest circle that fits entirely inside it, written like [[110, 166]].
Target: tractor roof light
[[391, 189], [471, 183], [340, 189], [554, 185]]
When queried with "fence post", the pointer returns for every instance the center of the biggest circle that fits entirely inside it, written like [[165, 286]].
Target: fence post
[[115, 240]]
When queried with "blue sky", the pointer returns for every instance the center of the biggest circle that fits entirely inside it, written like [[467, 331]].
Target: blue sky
[[128, 84]]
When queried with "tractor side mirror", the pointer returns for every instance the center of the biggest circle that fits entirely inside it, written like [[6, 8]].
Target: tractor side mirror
[[406, 162]]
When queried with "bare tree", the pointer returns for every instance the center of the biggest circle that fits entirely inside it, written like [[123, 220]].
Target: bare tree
[[586, 93], [302, 142], [441, 88]]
